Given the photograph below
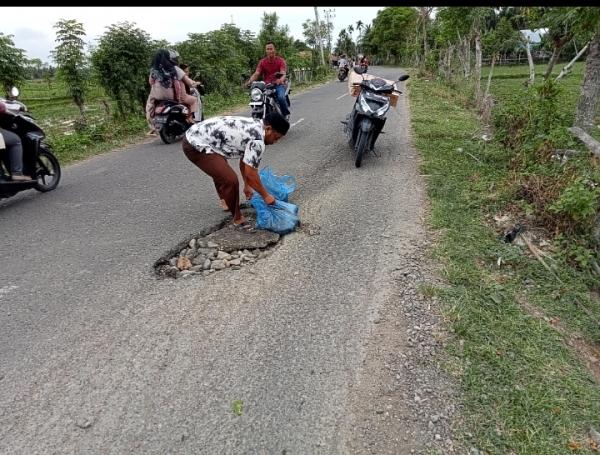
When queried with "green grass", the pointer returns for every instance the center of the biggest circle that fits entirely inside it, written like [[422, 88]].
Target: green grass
[[524, 390], [518, 71], [508, 82]]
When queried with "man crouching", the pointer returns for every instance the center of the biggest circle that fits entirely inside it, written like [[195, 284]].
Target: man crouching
[[210, 143]]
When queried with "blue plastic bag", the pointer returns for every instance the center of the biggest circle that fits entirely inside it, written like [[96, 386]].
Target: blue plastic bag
[[281, 217], [280, 186]]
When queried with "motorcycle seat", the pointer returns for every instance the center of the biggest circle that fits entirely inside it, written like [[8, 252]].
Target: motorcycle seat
[[163, 105]]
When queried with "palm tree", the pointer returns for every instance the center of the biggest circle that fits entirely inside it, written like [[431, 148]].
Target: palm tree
[[359, 27]]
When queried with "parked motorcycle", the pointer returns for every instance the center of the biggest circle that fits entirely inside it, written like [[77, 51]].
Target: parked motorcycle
[[367, 118], [170, 117], [343, 73], [38, 160], [263, 97]]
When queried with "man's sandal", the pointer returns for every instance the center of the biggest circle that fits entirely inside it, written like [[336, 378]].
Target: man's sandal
[[245, 226]]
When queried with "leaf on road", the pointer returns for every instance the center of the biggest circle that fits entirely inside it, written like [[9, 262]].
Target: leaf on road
[[236, 406]]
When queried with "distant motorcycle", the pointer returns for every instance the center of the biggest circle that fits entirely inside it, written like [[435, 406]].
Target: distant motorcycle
[[364, 124], [170, 117], [343, 73], [263, 97], [38, 160]]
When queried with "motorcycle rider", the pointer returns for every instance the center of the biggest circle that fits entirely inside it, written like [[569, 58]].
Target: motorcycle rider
[[343, 64], [12, 143], [166, 80], [342, 61], [267, 67]]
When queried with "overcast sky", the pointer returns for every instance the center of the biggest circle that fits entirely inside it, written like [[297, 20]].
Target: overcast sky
[[33, 30]]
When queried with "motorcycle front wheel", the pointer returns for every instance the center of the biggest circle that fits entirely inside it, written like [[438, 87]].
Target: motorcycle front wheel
[[362, 142], [47, 171]]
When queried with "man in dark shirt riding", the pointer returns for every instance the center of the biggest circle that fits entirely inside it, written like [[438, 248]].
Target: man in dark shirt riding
[[268, 67]]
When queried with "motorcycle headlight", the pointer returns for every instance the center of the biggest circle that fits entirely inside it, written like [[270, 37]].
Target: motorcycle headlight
[[255, 94]]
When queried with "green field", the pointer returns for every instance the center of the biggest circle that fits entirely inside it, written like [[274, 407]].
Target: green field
[[508, 82]]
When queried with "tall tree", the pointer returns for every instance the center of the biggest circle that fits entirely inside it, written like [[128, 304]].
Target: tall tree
[[220, 57], [122, 60], [390, 33], [12, 63], [587, 25], [71, 61], [270, 30]]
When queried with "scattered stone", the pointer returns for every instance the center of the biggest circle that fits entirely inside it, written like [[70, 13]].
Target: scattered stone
[[183, 263], [206, 264], [223, 255], [211, 244], [198, 260], [196, 268], [236, 261], [218, 264], [83, 423], [192, 243]]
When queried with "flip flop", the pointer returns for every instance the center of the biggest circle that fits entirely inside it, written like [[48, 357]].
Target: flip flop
[[245, 226]]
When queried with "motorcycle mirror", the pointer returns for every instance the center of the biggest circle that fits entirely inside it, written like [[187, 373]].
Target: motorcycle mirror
[[403, 77], [14, 91]]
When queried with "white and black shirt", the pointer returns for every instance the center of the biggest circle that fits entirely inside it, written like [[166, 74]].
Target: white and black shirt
[[231, 137]]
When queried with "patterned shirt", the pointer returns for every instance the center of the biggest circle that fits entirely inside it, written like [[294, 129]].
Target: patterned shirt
[[231, 137]]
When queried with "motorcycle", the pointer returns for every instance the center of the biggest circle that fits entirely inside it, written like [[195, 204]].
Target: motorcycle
[[38, 160], [343, 73], [263, 98], [367, 118], [170, 117]]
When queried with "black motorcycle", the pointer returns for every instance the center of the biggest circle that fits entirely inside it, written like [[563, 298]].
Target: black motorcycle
[[263, 97], [38, 160], [364, 124], [343, 73], [170, 117]]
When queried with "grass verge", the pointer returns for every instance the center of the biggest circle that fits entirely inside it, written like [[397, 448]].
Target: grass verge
[[525, 390]]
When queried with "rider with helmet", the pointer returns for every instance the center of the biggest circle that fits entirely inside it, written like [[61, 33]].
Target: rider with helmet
[[167, 83]]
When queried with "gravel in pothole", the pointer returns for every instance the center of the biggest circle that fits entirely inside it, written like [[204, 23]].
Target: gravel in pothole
[[225, 248]]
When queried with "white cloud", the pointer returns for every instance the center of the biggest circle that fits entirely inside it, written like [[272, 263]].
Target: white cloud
[[33, 30]]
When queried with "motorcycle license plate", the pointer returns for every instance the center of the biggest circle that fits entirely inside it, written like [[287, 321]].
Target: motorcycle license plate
[[256, 103]]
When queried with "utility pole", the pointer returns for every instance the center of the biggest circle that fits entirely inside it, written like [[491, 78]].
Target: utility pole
[[329, 14], [319, 35]]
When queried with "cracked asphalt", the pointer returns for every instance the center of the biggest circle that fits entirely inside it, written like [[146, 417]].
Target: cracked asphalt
[[99, 356]]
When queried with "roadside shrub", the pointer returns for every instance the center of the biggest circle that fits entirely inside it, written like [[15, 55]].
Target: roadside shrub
[[579, 201]]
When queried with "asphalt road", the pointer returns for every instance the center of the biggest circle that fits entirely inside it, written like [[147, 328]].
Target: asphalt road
[[98, 356]]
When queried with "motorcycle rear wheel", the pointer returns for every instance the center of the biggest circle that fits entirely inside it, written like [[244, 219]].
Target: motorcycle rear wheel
[[362, 142], [47, 166], [167, 136]]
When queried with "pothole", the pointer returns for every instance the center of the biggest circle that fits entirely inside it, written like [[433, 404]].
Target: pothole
[[222, 247]]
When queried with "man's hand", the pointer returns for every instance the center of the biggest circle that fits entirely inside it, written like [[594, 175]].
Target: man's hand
[[248, 191], [270, 200]]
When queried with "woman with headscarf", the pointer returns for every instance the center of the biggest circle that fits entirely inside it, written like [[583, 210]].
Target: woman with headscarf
[[167, 82]]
